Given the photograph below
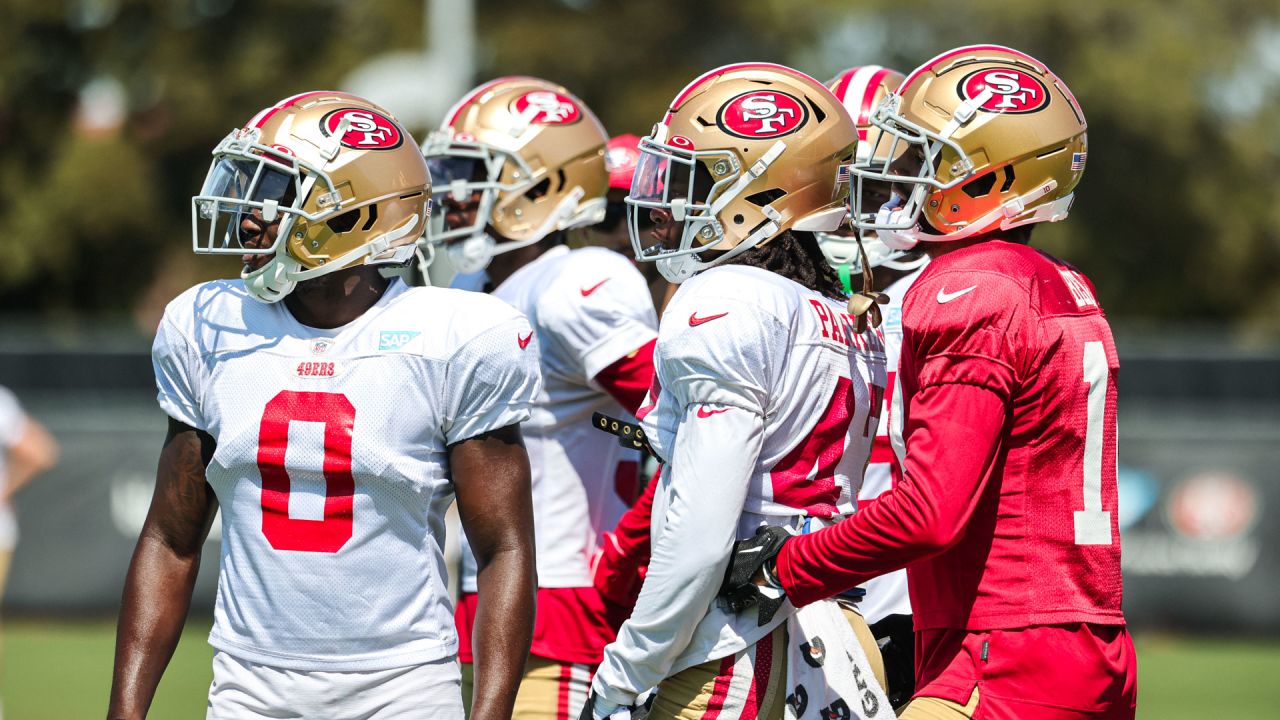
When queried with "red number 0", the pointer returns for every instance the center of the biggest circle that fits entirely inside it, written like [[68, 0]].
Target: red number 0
[[338, 415]]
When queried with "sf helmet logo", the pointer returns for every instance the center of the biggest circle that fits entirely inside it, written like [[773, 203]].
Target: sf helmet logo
[[762, 114], [365, 129], [547, 107], [1012, 91]]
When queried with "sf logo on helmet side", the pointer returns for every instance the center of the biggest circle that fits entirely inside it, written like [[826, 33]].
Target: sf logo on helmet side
[[762, 114], [1012, 91], [546, 107], [365, 129]]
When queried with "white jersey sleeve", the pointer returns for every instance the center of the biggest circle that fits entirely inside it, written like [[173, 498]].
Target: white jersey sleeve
[[492, 381], [180, 379], [597, 313], [12, 420], [705, 485]]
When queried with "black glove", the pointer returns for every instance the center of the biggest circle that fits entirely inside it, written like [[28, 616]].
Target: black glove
[[589, 708], [896, 638], [751, 559]]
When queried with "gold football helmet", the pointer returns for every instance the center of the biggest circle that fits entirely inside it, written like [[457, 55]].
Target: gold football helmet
[[343, 179], [745, 153], [861, 90], [532, 153], [980, 138]]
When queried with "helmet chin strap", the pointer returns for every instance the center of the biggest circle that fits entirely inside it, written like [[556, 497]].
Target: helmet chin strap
[[1010, 214], [270, 283], [280, 275], [892, 213], [682, 267], [440, 265], [371, 249], [474, 253]]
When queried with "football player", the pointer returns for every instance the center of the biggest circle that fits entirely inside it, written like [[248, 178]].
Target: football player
[[737, 177], [517, 163], [333, 414], [886, 606], [1005, 514], [26, 450]]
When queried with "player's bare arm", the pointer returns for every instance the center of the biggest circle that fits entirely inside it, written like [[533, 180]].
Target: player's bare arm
[[157, 591], [35, 452], [491, 477]]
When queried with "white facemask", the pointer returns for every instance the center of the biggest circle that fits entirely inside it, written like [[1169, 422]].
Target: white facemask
[[471, 255], [462, 257]]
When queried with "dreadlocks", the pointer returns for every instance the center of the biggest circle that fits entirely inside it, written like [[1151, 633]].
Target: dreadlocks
[[795, 255]]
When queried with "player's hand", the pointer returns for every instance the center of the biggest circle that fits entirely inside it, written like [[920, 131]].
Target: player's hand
[[750, 579], [598, 707]]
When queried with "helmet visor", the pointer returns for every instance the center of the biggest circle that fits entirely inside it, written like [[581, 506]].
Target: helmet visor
[[673, 189], [241, 199], [466, 180], [446, 170]]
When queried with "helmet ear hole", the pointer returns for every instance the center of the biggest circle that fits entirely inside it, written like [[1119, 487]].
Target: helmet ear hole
[[818, 114], [765, 197], [373, 218], [980, 186], [345, 222], [1008, 179], [538, 190]]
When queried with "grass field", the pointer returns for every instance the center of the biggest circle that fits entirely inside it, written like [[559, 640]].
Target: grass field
[[62, 671]]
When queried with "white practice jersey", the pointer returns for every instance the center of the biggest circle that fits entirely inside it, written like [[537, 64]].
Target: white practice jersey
[[331, 466], [13, 423], [887, 594], [792, 378], [589, 308]]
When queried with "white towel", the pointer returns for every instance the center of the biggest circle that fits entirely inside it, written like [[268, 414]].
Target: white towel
[[828, 673]]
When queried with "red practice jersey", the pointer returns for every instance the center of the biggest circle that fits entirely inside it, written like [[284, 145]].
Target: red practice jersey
[[1043, 544], [1006, 513]]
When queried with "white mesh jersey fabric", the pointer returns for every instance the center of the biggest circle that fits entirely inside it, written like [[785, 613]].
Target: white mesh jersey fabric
[[13, 422], [589, 307], [747, 338], [331, 466], [887, 594], [243, 689]]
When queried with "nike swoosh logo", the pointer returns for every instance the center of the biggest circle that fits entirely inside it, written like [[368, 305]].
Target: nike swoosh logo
[[946, 297], [588, 290], [695, 321], [524, 341], [705, 413]]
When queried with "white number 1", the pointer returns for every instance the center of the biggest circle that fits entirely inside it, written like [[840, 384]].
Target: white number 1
[[1093, 524]]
